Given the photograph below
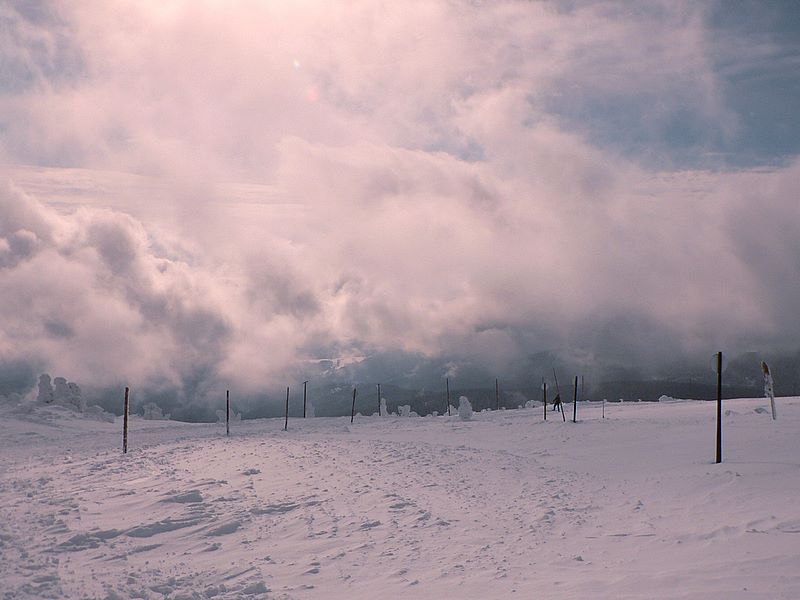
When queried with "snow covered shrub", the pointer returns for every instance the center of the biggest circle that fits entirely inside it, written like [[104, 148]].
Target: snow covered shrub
[[384, 408], [61, 392], [464, 409], [153, 412], [405, 411]]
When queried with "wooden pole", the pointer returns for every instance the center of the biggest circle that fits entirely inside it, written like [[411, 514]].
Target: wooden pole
[[544, 397], [604, 408], [497, 394], [575, 402], [286, 412], [719, 407], [227, 412], [353, 410], [379, 399], [305, 384], [447, 381], [125, 424]]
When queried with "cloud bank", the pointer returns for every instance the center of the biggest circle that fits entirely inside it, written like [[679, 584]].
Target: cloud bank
[[196, 195]]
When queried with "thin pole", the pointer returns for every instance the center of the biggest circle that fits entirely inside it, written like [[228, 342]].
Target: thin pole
[[353, 410], [719, 407], [497, 394], [379, 399], [125, 424], [227, 412], [604, 408], [544, 397], [447, 383], [305, 384], [575, 402], [286, 412]]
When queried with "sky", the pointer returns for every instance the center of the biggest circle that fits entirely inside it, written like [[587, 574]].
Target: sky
[[196, 194]]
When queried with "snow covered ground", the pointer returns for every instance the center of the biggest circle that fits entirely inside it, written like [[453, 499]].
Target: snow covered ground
[[503, 506]]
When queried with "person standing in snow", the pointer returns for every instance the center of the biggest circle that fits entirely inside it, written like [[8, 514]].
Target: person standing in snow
[[557, 403]]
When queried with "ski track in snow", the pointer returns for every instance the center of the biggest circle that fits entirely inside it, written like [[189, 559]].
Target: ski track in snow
[[501, 506]]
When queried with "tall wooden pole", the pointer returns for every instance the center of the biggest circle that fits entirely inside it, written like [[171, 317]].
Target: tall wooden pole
[[447, 383], [497, 394], [719, 407], [544, 397], [125, 424], [379, 399], [353, 410], [305, 384], [286, 412], [604, 408], [227, 412], [575, 402]]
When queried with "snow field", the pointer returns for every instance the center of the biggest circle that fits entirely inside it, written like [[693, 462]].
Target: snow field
[[501, 506]]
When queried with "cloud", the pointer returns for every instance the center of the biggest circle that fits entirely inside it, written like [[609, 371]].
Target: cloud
[[205, 195]]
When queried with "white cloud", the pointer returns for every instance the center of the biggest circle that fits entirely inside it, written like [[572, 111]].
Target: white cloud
[[261, 184]]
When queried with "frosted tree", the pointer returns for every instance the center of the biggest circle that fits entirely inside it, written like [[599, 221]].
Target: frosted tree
[[61, 391], [464, 409], [74, 396], [45, 389], [405, 411], [153, 412], [769, 392]]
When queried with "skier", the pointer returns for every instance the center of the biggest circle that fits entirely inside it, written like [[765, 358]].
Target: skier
[[557, 403]]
